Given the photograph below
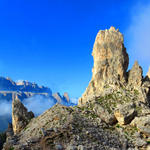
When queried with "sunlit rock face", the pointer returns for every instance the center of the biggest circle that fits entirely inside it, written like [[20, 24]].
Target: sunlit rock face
[[66, 97], [148, 73], [135, 76], [20, 115], [110, 62]]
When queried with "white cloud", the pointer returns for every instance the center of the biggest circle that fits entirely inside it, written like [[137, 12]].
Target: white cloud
[[74, 100], [38, 104], [137, 35], [5, 108]]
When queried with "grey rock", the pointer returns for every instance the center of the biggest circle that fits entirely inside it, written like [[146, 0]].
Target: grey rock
[[71, 147], [81, 147], [140, 142], [43, 132], [143, 124], [125, 113], [59, 147], [135, 76], [104, 114]]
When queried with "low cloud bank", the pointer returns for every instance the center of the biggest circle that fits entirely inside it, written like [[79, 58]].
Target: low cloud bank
[[74, 100], [38, 104], [5, 108], [5, 114]]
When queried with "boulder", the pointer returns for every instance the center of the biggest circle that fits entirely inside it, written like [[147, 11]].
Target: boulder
[[140, 142], [125, 113], [143, 124], [104, 114]]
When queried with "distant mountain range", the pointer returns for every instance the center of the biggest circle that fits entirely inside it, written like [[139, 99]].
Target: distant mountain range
[[7, 84], [25, 90]]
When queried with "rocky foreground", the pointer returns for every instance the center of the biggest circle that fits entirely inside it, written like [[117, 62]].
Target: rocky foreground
[[112, 114]]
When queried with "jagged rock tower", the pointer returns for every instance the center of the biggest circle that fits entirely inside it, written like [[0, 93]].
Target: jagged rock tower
[[20, 115], [110, 62]]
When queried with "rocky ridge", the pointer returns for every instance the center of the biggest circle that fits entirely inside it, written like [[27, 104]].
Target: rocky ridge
[[25, 90], [6, 84], [112, 114]]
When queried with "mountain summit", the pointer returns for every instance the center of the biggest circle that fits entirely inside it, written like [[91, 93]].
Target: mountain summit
[[112, 114], [6, 84]]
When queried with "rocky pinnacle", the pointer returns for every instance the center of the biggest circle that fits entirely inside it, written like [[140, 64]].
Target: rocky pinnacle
[[110, 62]]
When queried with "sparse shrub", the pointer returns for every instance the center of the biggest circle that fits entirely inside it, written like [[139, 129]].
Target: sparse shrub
[[11, 148], [148, 142], [136, 92], [118, 126]]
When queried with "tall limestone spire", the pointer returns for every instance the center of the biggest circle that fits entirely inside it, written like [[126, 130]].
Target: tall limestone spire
[[110, 62]]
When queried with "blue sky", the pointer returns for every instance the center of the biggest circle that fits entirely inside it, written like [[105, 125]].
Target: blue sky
[[50, 42]]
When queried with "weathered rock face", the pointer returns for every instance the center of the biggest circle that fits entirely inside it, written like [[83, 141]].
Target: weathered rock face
[[125, 113], [135, 76], [58, 97], [143, 124], [110, 62], [66, 96], [148, 73], [20, 115], [62, 99], [104, 114]]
